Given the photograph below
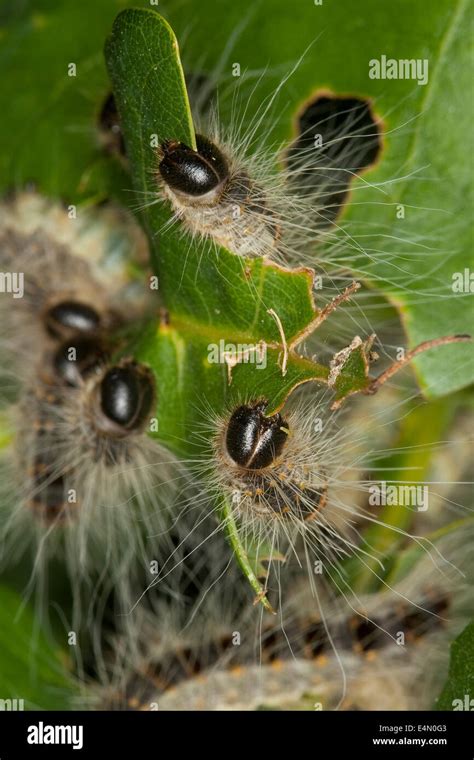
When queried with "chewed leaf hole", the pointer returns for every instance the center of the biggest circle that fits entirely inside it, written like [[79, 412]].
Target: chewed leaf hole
[[338, 138]]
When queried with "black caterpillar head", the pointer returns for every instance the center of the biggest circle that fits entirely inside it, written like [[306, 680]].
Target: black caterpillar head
[[70, 317], [77, 359], [127, 393], [193, 172], [252, 440]]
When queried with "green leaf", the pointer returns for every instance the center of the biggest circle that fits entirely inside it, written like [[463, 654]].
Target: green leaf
[[233, 299], [211, 295], [458, 691], [50, 136], [412, 260], [32, 668], [197, 280]]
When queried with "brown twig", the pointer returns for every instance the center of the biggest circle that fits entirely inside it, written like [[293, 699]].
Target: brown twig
[[425, 346], [324, 313]]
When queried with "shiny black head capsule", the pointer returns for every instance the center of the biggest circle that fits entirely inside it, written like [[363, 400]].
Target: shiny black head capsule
[[193, 172], [253, 440], [71, 317], [75, 360], [126, 395]]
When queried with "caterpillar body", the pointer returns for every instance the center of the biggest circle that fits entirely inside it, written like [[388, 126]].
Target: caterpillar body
[[215, 663], [81, 474]]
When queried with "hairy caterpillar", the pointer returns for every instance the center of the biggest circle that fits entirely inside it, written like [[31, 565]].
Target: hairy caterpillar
[[297, 484], [268, 474], [260, 197], [227, 189], [236, 198], [282, 200], [215, 197], [84, 414], [78, 476], [221, 660]]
